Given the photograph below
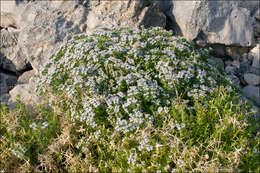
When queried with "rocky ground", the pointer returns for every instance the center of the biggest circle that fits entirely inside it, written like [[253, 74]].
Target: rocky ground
[[31, 31]]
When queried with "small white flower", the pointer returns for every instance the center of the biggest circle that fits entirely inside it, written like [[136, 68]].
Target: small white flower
[[44, 125], [33, 126], [167, 167], [160, 109]]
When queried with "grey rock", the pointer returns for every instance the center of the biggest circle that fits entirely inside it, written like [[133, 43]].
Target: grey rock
[[230, 69], [244, 58], [235, 52], [11, 56], [13, 59], [252, 79], [45, 25], [25, 77], [216, 22], [27, 94], [244, 67], [253, 93], [236, 64], [234, 79], [255, 53], [8, 39], [255, 70], [8, 20], [7, 82], [4, 98], [217, 61], [125, 13], [228, 63]]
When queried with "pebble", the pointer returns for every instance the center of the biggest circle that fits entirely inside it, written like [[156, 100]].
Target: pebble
[[230, 70], [251, 79], [253, 93]]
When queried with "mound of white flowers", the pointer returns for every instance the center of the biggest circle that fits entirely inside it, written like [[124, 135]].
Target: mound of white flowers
[[145, 100]]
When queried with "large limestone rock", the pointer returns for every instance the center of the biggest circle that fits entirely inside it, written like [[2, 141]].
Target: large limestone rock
[[215, 22], [8, 20], [25, 77], [126, 13], [11, 55], [13, 59]]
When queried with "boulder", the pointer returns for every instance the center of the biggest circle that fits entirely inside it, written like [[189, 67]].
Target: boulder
[[217, 61], [230, 69], [8, 20], [26, 92], [255, 53], [252, 79], [13, 59], [234, 79], [25, 77], [8, 38], [126, 13], [216, 22], [253, 93], [11, 55]]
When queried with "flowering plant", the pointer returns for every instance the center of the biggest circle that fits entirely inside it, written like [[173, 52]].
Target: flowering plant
[[125, 78]]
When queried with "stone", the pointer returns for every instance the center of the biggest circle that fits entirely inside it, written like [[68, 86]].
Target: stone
[[255, 70], [230, 69], [25, 77], [8, 39], [236, 64], [11, 55], [216, 22], [253, 93], [27, 94], [228, 63], [236, 52], [244, 67], [255, 53], [244, 57], [234, 79], [45, 25], [252, 79], [125, 13], [13, 59], [219, 50], [8, 20], [217, 61], [7, 82]]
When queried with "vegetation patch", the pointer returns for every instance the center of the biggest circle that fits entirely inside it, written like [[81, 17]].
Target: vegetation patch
[[128, 100]]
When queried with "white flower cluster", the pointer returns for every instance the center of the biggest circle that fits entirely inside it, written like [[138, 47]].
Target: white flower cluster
[[18, 150], [124, 77], [35, 127], [144, 143]]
